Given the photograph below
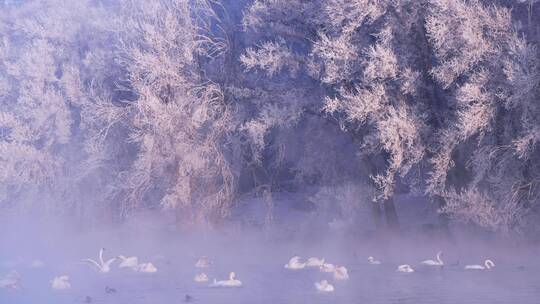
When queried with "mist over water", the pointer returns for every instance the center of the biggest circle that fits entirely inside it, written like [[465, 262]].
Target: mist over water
[[258, 256]]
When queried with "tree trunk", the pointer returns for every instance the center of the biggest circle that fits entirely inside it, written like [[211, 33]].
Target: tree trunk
[[392, 222], [377, 215], [443, 218]]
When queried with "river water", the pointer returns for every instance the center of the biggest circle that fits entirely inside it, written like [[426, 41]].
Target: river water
[[265, 280], [258, 259]]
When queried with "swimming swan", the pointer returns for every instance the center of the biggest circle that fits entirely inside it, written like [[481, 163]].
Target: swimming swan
[[37, 264], [131, 262], [488, 264], [231, 282], [146, 268], [294, 263], [102, 266], [437, 262], [203, 262], [324, 286], [372, 261], [405, 268], [327, 267], [314, 262], [61, 282], [201, 278], [11, 281], [341, 273]]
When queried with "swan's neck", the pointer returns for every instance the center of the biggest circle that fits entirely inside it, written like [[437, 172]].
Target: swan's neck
[[101, 256], [439, 258]]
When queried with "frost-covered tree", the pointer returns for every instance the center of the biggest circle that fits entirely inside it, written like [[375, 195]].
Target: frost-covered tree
[[122, 105], [177, 121], [415, 84], [111, 102], [39, 49], [348, 50], [490, 72]]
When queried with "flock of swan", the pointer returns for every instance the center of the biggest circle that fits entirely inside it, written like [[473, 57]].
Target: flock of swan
[[338, 273], [103, 266], [12, 280], [341, 273], [202, 277], [438, 262]]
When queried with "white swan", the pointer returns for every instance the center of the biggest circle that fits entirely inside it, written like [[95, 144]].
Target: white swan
[[203, 262], [61, 282], [405, 268], [488, 264], [11, 281], [372, 261], [341, 273], [128, 262], [314, 262], [324, 286], [102, 266], [37, 264], [231, 282], [437, 262], [327, 267], [201, 278], [146, 268], [294, 263]]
